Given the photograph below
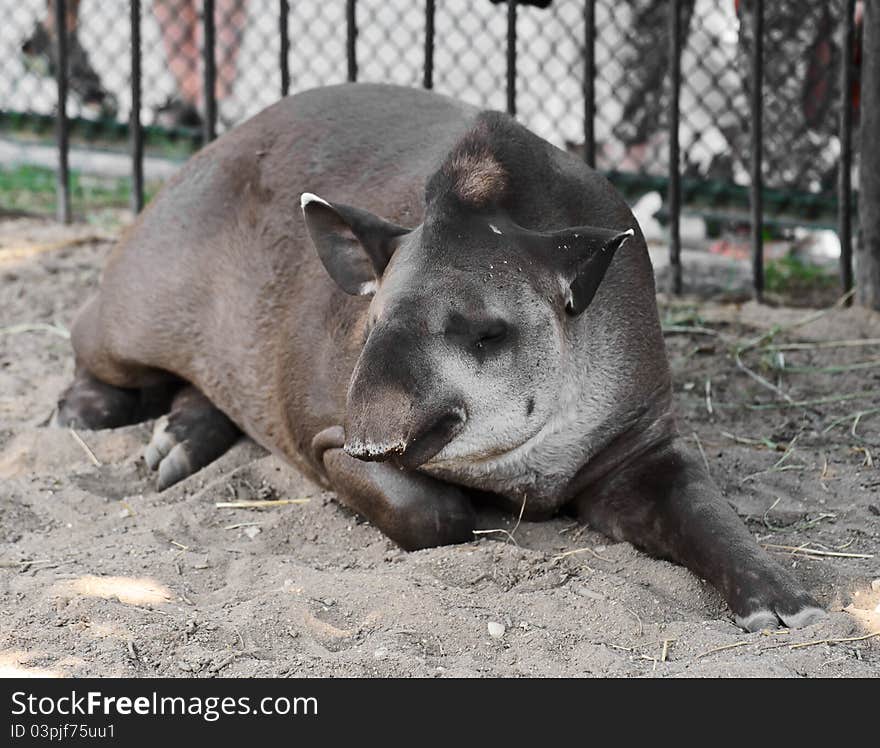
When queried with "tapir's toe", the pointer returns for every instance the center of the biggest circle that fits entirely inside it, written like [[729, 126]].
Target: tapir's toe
[[168, 455], [175, 466], [160, 445], [764, 619], [804, 617], [760, 620], [190, 437]]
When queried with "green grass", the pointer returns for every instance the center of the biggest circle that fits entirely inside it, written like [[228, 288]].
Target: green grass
[[175, 144], [790, 274], [31, 189]]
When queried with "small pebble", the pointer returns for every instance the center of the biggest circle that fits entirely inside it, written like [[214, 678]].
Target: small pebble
[[252, 531], [875, 585], [584, 592], [381, 653], [496, 630]]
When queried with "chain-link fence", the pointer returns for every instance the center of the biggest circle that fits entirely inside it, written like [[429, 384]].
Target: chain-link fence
[[802, 58], [801, 79]]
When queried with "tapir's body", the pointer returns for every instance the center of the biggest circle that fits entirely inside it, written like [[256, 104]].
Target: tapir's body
[[219, 285]]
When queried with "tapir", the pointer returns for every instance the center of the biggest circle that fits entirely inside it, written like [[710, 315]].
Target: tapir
[[422, 306]]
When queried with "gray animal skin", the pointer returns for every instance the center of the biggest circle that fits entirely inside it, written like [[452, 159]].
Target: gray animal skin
[[482, 325]]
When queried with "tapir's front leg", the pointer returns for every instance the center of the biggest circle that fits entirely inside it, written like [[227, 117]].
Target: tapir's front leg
[[668, 505], [414, 510]]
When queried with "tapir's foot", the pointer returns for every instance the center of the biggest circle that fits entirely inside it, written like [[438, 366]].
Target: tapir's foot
[[191, 436], [92, 404], [777, 601], [667, 505]]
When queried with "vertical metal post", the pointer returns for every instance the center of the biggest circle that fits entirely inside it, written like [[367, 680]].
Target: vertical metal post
[[210, 72], [674, 189], [511, 57], [428, 81], [136, 134], [844, 181], [590, 82], [868, 246], [756, 187], [62, 184], [351, 39], [284, 31]]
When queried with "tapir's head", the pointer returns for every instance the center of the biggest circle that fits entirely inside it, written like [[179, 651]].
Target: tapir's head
[[468, 327]]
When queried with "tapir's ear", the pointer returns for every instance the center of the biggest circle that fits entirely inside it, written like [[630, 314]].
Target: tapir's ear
[[583, 254], [354, 245]]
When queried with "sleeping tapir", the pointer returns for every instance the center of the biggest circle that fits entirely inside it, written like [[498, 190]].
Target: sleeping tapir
[[417, 304]]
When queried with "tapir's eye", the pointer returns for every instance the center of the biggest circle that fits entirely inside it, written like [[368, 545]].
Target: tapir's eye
[[480, 335], [492, 333]]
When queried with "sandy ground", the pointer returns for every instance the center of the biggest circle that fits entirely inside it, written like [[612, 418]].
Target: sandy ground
[[100, 575]]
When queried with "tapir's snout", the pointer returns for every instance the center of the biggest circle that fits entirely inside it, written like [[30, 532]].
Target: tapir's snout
[[397, 409], [410, 444]]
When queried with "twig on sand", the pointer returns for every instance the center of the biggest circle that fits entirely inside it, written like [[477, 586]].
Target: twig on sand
[[725, 647], [638, 620], [58, 330], [95, 461], [834, 641], [803, 550], [258, 504], [864, 394], [759, 379], [690, 330], [824, 344], [778, 466], [508, 533], [27, 562], [869, 461], [833, 369], [857, 416], [702, 452], [561, 556], [499, 530], [763, 442]]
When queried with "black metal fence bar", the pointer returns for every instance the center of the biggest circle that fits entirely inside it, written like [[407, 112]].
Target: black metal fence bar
[[511, 57], [674, 191], [430, 12], [284, 32], [756, 107], [844, 182], [61, 125], [868, 249], [351, 39], [136, 134], [590, 83], [210, 71]]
